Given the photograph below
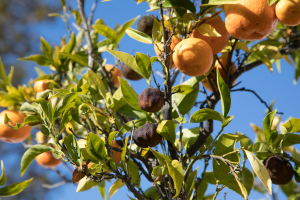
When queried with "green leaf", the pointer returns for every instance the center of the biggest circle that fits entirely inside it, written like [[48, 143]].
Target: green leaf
[[123, 157], [139, 36], [167, 130], [101, 188], [224, 93], [292, 125], [260, 170], [264, 59], [46, 49], [106, 31], [208, 30], [114, 188], [144, 64], [228, 119], [269, 134], [30, 155], [297, 174], [133, 171], [130, 96], [72, 43], [270, 2], [76, 58], [156, 30], [201, 190], [95, 147], [95, 79], [2, 73], [3, 175], [206, 114], [39, 59], [129, 126], [245, 141], [290, 139], [85, 184], [186, 4], [218, 2], [14, 189], [73, 149], [151, 192], [162, 158], [183, 89], [64, 103], [190, 182], [120, 31], [176, 172]]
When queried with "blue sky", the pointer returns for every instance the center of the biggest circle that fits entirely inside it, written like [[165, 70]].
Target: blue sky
[[245, 107]]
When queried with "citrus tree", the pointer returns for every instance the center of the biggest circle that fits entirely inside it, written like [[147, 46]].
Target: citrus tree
[[89, 115]]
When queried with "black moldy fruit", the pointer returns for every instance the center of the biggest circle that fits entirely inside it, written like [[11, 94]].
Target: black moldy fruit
[[151, 100], [280, 170], [145, 24], [129, 73], [146, 136]]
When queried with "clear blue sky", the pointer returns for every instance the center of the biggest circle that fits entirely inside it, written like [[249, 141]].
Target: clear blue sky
[[245, 107]]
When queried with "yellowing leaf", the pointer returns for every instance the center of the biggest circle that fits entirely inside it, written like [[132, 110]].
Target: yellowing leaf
[[176, 172], [114, 188], [208, 30], [260, 170], [242, 45]]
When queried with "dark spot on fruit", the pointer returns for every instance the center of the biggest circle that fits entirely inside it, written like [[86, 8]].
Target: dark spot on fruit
[[280, 170], [151, 100], [145, 24], [129, 73], [147, 136]]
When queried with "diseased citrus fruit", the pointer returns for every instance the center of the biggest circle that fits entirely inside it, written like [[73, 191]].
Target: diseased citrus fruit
[[47, 160], [129, 73], [151, 100], [159, 49], [288, 12], [115, 74], [193, 56], [280, 170], [145, 24], [217, 44], [147, 136], [224, 61], [40, 86], [250, 19], [10, 135]]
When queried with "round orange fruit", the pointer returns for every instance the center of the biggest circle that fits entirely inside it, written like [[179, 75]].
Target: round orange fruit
[[47, 160], [250, 19], [217, 44], [115, 74], [288, 12], [159, 49], [224, 61], [10, 135], [193, 57], [40, 86]]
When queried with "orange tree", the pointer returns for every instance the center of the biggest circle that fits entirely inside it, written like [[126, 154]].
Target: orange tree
[[84, 100]]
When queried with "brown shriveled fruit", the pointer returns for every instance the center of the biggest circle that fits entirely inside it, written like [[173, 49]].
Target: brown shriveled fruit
[[288, 12], [193, 56], [146, 136], [129, 73], [280, 170], [40, 86], [115, 74], [145, 24], [47, 160], [151, 100], [250, 19], [159, 49], [217, 44], [224, 61], [10, 135]]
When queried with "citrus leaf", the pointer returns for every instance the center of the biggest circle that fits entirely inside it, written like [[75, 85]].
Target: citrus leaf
[[123, 157], [73, 149], [120, 31], [224, 93], [167, 130], [3, 175], [206, 114], [144, 64], [95, 147], [30, 154], [218, 2], [114, 188], [14, 189], [292, 125], [130, 96], [139, 36], [101, 188], [106, 31], [39, 59], [260, 170], [208, 30], [85, 184], [95, 79], [269, 134], [176, 172]]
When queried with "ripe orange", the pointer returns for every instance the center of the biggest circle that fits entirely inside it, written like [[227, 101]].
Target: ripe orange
[[224, 61], [10, 135], [40, 86], [217, 44], [193, 57], [116, 154], [115, 73], [47, 160], [288, 12], [250, 19], [160, 49]]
